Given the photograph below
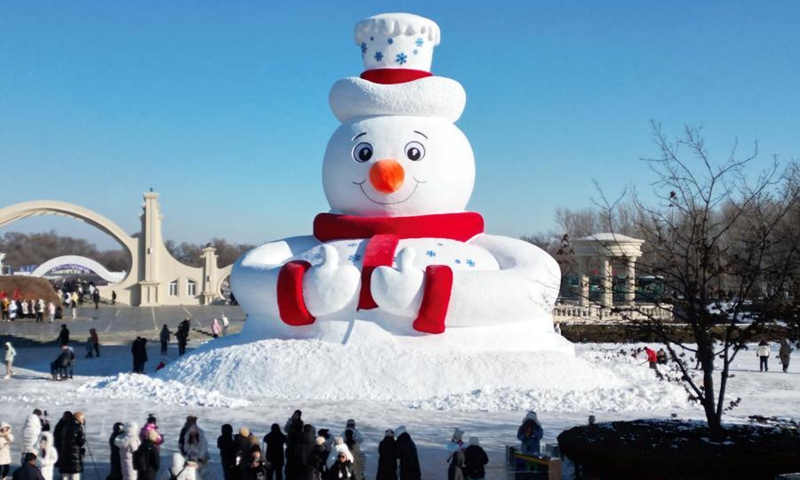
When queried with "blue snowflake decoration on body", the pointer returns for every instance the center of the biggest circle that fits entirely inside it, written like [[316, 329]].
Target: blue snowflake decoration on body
[[378, 56], [390, 41], [430, 253], [470, 263], [415, 51], [419, 42], [401, 58], [354, 258], [363, 48], [458, 261], [371, 39]]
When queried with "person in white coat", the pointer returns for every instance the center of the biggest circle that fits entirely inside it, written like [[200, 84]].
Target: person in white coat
[[46, 456], [10, 354], [127, 444], [30, 434], [180, 469], [338, 447], [5, 449]]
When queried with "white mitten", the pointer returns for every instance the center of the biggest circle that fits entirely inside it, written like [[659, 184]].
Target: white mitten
[[329, 287], [399, 291]]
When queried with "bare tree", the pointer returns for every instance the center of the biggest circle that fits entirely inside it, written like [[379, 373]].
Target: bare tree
[[721, 241]]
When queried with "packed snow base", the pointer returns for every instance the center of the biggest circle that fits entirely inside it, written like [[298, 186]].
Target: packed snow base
[[309, 370]]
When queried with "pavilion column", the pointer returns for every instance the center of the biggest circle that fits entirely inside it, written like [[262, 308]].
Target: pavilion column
[[583, 282], [606, 298], [630, 290]]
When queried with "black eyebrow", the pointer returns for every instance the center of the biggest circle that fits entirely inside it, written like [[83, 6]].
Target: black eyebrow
[[361, 134], [421, 134]]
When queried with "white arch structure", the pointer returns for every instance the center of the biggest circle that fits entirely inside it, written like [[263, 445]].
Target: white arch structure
[[88, 263], [156, 277]]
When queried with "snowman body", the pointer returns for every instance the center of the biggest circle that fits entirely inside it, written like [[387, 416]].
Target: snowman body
[[398, 258]]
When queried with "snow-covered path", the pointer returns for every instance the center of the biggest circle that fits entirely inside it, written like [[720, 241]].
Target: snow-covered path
[[615, 387]]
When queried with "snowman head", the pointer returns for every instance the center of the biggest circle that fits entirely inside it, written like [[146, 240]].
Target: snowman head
[[397, 152]]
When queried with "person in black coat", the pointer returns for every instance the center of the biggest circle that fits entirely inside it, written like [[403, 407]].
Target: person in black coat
[[63, 335], [407, 455], [58, 433], [149, 459], [227, 451], [342, 469], [294, 437], [475, 460], [28, 470], [275, 441], [70, 456], [387, 457], [116, 466]]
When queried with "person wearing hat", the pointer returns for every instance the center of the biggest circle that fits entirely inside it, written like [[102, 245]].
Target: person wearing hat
[[318, 457], [151, 426], [227, 451], [456, 441], [359, 459], [475, 460], [127, 443], [5, 449], [47, 456], [340, 462], [115, 462], [407, 455], [30, 433], [10, 354], [28, 470], [147, 459], [530, 434], [351, 425], [196, 448], [387, 457]]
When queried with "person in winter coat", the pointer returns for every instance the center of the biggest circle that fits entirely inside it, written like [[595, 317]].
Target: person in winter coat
[[180, 469], [10, 354], [151, 426], [164, 337], [63, 335], [456, 469], [28, 470], [70, 456], [652, 357], [351, 425], [254, 468], [5, 449], [227, 451], [216, 328], [30, 433], [295, 459], [407, 455], [762, 352], [47, 456], [196, 448], [127, 443], [302, 452], [475, 460], [359, 461], [115, 462], [147, 459], [530, 434], [785, 354], [58, 432], [342, 467], [275, 441], [95, 341], [191, 420], [338, 447], [456, 443], [387, 457], [318, 458]]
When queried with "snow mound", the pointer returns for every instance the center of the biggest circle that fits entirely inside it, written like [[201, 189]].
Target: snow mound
[[426, 379], [127, 385]]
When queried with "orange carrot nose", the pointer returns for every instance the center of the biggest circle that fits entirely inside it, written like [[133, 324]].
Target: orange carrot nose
[[387, 175]]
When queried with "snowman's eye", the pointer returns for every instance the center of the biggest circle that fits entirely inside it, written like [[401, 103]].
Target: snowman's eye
[[415, 151], [363, 152]]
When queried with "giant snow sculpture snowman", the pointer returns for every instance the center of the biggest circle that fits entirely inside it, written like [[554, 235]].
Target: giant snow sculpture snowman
[[399, 259]]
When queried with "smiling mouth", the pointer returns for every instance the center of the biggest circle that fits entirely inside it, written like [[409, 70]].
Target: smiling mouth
[[361, 186]]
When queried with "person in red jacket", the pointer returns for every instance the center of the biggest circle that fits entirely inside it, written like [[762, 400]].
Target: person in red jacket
[[652, 357]]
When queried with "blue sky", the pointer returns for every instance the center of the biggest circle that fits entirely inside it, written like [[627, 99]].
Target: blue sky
[[222, 106]]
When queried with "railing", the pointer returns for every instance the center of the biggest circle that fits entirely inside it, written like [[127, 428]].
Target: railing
[[565, 313]]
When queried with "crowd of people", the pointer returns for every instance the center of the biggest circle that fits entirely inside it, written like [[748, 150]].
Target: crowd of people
[[72, 293], [298, 451]]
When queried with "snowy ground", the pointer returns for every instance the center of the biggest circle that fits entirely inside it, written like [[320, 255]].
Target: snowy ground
[[342, 384]]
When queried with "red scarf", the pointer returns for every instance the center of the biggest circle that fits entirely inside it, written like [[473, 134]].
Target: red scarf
[[455, 226]]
